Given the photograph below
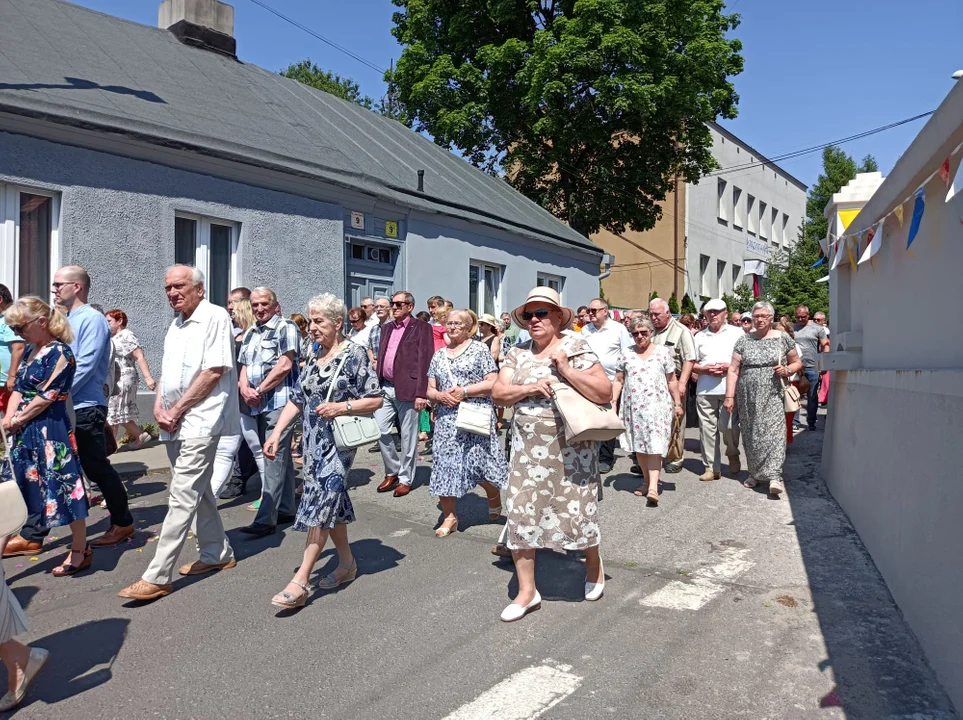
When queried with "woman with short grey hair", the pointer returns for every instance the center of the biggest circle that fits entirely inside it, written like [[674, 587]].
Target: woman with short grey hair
[[762, 361], [649, 403], [325, 508]]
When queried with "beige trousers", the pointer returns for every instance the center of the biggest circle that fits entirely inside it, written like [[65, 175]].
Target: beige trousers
[[715, 420], [192, 465]]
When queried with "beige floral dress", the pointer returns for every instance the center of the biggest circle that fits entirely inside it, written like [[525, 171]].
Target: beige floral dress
[[552, 486]]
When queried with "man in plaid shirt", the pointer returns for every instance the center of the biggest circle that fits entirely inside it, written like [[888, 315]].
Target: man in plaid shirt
[[269, 357], [382, 309]]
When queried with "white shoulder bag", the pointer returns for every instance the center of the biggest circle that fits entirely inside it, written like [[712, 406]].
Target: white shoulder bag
[[351, 431], [13, 509], [473, 418]]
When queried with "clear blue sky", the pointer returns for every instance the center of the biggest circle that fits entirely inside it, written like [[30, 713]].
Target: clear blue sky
[[815, 71]]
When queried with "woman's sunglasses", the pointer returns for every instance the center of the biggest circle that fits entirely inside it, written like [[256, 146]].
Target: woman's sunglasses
[[641, 333], [541, 314], [18, 329]]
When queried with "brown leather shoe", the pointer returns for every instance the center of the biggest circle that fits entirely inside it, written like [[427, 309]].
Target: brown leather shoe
[[388, 483], [18, 546], [114, 535], [199, 568], [143, 590], [402, 490]]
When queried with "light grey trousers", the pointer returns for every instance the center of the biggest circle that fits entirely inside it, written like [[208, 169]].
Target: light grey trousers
[[192, 465], [715, 420], [407, 416]]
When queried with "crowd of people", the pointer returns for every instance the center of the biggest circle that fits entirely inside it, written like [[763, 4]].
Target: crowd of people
[[246, 391]]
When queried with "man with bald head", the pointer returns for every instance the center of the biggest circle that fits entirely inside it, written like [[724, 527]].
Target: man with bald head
[[672, 334]]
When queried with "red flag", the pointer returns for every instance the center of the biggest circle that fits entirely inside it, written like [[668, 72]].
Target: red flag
[[944, 171]]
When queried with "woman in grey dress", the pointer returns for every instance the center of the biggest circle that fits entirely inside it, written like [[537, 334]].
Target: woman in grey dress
[[552, 499], [762, 362]]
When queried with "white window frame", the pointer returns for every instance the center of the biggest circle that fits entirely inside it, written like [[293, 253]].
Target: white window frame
[[10, 233], [737, 223], [723, 197], [763, 217], [202, 249], [704, 263], [546, 280], [776, 227], [480, 289], [751, 215]]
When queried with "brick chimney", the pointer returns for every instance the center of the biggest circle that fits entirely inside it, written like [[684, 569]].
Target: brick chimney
[[206, 24]]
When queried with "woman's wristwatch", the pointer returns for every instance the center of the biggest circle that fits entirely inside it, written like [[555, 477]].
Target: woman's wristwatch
[[347, 406]]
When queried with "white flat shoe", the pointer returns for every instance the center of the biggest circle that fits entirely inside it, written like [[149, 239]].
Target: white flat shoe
[[516, 612], [593, 591], [38, 658]]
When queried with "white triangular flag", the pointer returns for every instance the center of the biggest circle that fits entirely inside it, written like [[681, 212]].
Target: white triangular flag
[[823, 279], [874, 242], [838, 254], [957, 183]]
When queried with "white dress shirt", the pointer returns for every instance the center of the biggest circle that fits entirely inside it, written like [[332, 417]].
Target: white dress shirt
[[712, 348], [201, 342], [608, 343]]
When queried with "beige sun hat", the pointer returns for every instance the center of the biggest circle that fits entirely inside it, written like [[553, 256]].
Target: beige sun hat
[[545, 295], [490, 320]]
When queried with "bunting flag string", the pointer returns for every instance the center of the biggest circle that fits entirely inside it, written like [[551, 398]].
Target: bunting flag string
[[851, 238]]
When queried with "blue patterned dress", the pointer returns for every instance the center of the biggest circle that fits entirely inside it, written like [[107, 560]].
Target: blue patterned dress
[[461, 460], [44, 452], [325, 502]]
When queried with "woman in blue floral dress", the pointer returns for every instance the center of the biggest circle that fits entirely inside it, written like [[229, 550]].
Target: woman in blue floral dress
[[463, 372], [43, 451], [325, 508]]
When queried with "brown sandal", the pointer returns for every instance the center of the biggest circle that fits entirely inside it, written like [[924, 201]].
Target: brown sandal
[[65, 569]]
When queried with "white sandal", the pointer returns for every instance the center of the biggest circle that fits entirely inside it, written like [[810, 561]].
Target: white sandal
[[290, 600], [445, 531], [331, 580]]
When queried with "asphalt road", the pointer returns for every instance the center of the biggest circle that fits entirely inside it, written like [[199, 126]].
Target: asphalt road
[[720, 603]]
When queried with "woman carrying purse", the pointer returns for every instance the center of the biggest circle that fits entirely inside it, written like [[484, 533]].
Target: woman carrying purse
[[466, 451]]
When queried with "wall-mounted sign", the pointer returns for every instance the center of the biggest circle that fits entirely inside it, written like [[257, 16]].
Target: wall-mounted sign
[[391, 229], [357, 220], [757, 247]]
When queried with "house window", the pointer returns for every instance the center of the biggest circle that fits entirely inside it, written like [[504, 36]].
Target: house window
[[751, 214], [763, 217], [704, 289], [484, 288], [29, 239], [736, 269], [736, 208], [553, 281], [776, 238], [720, 277], [723, 212], [210, 245], [785, 228]]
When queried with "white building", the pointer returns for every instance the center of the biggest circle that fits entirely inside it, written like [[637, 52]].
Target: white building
[[892, 453], [737, 217]]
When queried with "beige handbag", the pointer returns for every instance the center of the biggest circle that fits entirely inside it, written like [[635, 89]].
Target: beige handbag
[[13, 509], [790, 396], [584, 420], [471, 418]]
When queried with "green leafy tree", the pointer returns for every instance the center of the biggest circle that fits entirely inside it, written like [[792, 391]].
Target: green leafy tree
[[687, 305], [730, 301], [791, 277], [673, 304], [308, 73], [592, 107], [742, 298]]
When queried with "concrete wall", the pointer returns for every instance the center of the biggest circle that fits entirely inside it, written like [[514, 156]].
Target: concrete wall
[[892, 455], [117, 220], [647, 261], [438, 256], [726, 240]]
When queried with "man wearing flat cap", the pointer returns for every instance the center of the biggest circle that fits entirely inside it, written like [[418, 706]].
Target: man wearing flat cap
[[713, 353]]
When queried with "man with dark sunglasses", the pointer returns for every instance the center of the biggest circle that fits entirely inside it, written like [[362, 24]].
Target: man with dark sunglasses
[[404, 352], [608, 339]]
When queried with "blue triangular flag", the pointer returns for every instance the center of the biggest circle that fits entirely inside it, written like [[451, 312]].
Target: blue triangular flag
[[819, 262], [918, 207]]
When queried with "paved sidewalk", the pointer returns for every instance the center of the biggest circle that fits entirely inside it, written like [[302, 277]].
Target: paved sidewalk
[[720, 603]]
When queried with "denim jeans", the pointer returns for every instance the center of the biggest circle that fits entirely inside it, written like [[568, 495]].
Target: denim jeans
[[812, 396]]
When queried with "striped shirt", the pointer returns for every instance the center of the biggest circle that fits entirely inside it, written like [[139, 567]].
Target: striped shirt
[[261, 348]]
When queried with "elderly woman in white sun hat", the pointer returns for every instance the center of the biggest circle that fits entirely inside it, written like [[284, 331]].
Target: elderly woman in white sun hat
[[552, 485]]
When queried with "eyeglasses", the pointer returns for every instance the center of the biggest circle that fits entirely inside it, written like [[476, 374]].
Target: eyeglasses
[[761, 316], [454, 323], [58, 285], [541, 314], [745, 320], [641, 333], [18, 329], [398, 303], [593, 311]]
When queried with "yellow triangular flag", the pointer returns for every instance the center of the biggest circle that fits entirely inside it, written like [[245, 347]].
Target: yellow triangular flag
[[899, 214]]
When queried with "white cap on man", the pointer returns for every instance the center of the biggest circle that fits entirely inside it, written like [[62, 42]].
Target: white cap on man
[[714, 304]]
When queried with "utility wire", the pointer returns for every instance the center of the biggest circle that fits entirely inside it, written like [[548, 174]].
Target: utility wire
[[320, 37]]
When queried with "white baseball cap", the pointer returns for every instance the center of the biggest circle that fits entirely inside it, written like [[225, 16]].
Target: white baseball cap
[[714, 304]]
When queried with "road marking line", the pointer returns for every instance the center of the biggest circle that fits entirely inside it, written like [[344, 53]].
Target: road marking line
[[678, 595], [523, 696]]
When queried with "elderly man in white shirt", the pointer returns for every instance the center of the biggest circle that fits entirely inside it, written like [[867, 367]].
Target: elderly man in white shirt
[[196, 402], [713, 353], [608, 339]]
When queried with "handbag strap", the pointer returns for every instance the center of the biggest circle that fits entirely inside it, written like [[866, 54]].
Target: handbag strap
[[337, 374], [8, 450]]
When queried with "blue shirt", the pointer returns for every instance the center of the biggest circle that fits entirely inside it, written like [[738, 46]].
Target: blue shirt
[[91, 348], [7, 336], [261, 348]]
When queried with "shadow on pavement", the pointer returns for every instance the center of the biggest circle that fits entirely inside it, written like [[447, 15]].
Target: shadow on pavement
[[870, 649], [81, 658]]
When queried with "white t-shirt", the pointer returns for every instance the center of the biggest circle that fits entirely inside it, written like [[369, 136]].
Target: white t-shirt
[[361, 337], [712, 348], [200, 342], [608, 343]]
